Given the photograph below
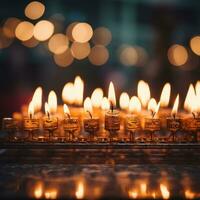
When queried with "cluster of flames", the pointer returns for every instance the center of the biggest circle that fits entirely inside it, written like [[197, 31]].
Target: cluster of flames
[[73, 95]]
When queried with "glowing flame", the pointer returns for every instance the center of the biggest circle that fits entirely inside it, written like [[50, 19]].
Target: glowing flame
[[165, 95], [111, 94], [51, 194], [97, 97], [46, 108], [88, 105], [52, 102], [124, 100], [132, 194], [37, 99], [143, 92], [143, 189], [68, 94], [31, 110], [79, 89], [175, 107], [105, 104], [189, 194], [154, 195], [80, 191], [153, 106], [135, 105], [189, 98], [164, 191], [38, 191], [197, 90], [66, 109]]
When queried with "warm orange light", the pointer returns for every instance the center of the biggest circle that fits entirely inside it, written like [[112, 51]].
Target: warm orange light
[[82, 32], [80, 50], [31, 110], [34, 10], [132, 194], [153, 107], [58, 43], [143, 189], [105, 104], [189, 98], [195, 45], [47, 109], [38, 191], [37, 99], [111, 94], [68, 93], [80, 191], [31, 43], [88, 105], [51, 194], [175, 107], [66, 109], [43, 30], [97, 97], [124, 101], [143, 92], [189, 194], [78, 89], [197, 90], [135, 105], [164, 191], [64, 59], [52, 102], [154, 195], [165, 95], [24, 30]]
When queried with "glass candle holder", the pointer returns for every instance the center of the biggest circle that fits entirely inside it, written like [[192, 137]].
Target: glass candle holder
[[50, 124], [70, 126]]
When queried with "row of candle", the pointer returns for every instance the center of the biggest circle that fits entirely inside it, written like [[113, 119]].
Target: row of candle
[[97, 104]]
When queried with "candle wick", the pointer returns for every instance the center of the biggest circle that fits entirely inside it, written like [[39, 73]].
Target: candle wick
[[48, 115], [174, 116], [111, 106], [152, 114], [193, 115], [90, 114], [31, 116], [68, 115]]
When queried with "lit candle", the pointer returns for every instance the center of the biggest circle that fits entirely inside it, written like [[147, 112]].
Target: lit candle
[[174, 123], [50, 123], [132, 123], [31, 124], [91, 124], [152, 124], [70, 124], [112, 118]]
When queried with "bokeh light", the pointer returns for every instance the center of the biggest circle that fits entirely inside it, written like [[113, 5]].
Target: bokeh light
[[69, 31], [177, 55], [128, 55], [82, 32], [195, 45], [43, 30], [24, 30], [65, 59], [31, 43], [99, 55], [4, 41], [58, 43], [80, 50], [34, 10], [10, 26], [102, 36]]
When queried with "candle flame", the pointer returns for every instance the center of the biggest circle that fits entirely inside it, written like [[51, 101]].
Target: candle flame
[[132, 194], [111, 94], [80, 191], [197, 90], [38, 191], [51, 194], [189, 194], [97, 97], [68, 94], [105, 104], [78, 89], [164, 191], [143, 92], [175, 106], [135, 105], [52, 102], [153, 106], [165, 95], [47, 110], [66, 109], [124, 100], [88, 105], [31, 110], [189, 98], [37, 99]]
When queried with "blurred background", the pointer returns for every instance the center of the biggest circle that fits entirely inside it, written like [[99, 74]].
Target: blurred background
[[47, 43]]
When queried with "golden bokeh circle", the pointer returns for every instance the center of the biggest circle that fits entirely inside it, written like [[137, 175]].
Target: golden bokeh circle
[[195, 45], [65, 59], [80, 50]]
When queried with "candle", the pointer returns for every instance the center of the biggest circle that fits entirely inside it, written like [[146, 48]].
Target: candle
[[112, 118], [91, 124], [152, 124], [174, 123], [132, 122], [31, 124], [50, 123], [70, 124]]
